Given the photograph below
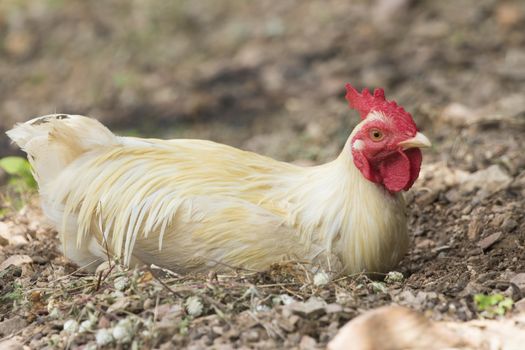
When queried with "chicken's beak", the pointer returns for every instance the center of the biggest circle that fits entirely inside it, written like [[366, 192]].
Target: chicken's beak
[[418, 141]]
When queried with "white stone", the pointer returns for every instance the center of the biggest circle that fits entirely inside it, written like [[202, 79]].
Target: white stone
[[321, 278], [103, 337], [85, 326], [121, 283], [71, 326], [123, 331], [194, 306]]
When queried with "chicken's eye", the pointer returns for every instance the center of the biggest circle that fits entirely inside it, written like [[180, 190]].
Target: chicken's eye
[[376, 135]]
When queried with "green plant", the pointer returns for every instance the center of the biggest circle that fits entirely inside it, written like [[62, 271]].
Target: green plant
[[184, 326], [379, 287], [492, 305], [19, 170], [16, 294]]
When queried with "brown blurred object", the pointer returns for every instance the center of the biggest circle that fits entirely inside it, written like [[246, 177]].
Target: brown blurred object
[[396, 327], [509, 14], [19, 44], [392, 328], [12, 344]]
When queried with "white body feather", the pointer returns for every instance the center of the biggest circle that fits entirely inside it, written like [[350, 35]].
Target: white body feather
[[194, 205]]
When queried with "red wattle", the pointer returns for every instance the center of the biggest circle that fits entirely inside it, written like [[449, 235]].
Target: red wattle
[[400, 170], [416, 157]]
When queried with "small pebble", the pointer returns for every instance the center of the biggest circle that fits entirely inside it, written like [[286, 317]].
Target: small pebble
[[71, 326], [194, 306], [287, 299], [333, 308], [148, 303], [379, 287], [394, 276], [509, 225], [85, 326], [91, 346], [321, 278], [123, 331], [121, 283], [252, 336], [103, 337]]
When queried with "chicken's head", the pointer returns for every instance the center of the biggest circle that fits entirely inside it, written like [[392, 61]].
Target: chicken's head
[[386, 146]]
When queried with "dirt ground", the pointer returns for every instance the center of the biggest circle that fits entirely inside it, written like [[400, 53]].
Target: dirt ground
[[269, 77]]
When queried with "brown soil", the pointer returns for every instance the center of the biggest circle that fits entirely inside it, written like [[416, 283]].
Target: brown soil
[[268, 76]]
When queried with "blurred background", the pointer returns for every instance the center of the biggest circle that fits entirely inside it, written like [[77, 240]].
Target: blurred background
[[262, 75]]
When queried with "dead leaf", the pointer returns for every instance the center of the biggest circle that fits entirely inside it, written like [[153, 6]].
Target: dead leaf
[[487, 242], [11, 235], [519, 281], [307, 343], [12, 325], [15, 260], [119, 305], [313, 307], [474, 229], [145, 278]]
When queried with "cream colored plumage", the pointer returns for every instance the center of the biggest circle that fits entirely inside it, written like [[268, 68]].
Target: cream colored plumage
[[192, 205]]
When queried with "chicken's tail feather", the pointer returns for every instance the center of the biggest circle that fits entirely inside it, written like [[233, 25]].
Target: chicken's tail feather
[[53, 141]]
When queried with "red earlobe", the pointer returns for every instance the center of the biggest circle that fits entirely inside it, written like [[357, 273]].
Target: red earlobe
[[364, 166]]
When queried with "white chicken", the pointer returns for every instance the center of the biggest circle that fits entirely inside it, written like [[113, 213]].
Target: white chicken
[[193, 205]]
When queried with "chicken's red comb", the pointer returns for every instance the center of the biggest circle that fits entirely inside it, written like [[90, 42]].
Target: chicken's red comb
[[365, 103]]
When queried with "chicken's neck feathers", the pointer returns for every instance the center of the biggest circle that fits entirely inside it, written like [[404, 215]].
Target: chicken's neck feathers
[[335, 206]]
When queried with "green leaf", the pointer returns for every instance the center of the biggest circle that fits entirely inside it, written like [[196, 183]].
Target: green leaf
[[16, 294], [379, 287], [14, 165], [20, 171], [492, 305], [504, 306]]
